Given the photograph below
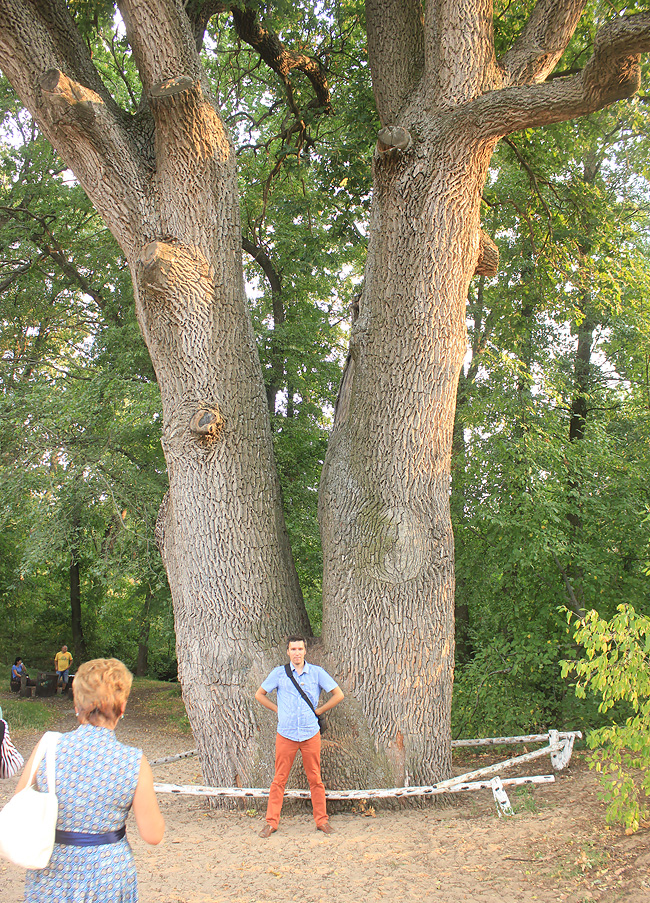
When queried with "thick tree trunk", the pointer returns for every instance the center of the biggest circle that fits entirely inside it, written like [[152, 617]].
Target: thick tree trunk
[[384, 502], [222, 532], [165, 182]]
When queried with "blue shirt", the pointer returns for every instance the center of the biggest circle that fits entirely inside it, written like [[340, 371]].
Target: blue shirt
[[296, 721]]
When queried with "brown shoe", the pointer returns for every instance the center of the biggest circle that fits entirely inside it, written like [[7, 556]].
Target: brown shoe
[[326, 828], [267, 830]]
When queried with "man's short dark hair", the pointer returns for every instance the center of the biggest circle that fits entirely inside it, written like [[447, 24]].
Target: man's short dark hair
[[296, 639]]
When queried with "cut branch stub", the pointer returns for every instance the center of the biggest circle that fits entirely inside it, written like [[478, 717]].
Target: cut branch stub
[[207, 423], [72, 98], [157, 261], [488, 258], [393, 138], [172, 86]]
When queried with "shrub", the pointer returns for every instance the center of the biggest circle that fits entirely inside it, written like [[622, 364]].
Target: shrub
[[616, 666]]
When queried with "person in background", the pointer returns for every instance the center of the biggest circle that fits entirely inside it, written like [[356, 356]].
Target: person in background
[[98, 780], [18, 671], [62, 662]]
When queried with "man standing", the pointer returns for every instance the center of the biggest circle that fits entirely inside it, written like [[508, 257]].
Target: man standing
[[298, 729], [62, 661]]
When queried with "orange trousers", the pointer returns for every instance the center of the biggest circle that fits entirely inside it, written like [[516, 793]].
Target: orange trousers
[[285, 753]]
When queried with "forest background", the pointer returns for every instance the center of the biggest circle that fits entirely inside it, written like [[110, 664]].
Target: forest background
[[549, 494]]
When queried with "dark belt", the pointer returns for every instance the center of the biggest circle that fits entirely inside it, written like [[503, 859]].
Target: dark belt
[[78, 839]]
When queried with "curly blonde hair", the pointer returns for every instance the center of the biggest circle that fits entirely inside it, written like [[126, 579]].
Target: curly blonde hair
[[100, 689]]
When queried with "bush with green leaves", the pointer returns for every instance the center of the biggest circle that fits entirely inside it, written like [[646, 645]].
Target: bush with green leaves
[[616, 666]]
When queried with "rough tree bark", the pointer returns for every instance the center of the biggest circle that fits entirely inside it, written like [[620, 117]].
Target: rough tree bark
[[164, 181], [444, 100]]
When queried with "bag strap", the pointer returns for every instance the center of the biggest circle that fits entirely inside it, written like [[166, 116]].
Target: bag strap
[[46, 744], [293, 680]]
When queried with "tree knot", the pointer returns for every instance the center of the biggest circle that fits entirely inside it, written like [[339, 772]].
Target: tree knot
[[393, 138], [207, 423]]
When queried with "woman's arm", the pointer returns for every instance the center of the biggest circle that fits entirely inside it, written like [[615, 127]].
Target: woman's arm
[[148, 816]]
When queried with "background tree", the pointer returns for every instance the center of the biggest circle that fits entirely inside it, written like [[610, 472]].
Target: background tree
[[80, 462], [545, 513]]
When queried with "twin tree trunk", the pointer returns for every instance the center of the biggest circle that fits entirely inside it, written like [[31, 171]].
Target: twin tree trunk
[[164, 181], [388, 633]]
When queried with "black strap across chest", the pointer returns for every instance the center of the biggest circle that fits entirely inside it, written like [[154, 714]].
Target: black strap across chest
[[293, 680]]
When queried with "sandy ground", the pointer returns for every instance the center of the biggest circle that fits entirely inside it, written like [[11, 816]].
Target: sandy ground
[[556, 848]]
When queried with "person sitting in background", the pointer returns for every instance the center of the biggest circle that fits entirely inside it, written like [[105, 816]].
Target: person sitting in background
[[18, 671], [98, 780]]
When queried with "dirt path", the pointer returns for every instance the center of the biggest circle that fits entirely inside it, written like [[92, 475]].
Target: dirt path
[[556, 848]]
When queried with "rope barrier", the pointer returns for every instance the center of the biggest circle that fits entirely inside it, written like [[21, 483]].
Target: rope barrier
[[485, 741]]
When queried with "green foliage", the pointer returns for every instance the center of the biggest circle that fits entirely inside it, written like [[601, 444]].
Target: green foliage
[[545, 514], [305, 192], [616, 668], [81, 468]]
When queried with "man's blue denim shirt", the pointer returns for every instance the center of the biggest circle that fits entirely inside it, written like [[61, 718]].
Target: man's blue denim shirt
[[296, 721]]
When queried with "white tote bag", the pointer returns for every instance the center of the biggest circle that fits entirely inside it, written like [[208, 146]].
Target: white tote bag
[[28, 821]]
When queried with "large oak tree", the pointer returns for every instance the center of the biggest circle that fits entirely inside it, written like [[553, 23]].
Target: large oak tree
[[164, 180]]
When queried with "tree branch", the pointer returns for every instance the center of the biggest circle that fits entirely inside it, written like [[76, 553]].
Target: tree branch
[[199, 13], [95, 145], [395, 51], [279, 58], [459, 42], [38, 44], [162, 41], [542, 41], [263, 260], [52, 33], [612, 73]]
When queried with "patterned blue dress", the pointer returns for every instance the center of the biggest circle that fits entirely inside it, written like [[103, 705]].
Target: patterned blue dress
[[96, 777]]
